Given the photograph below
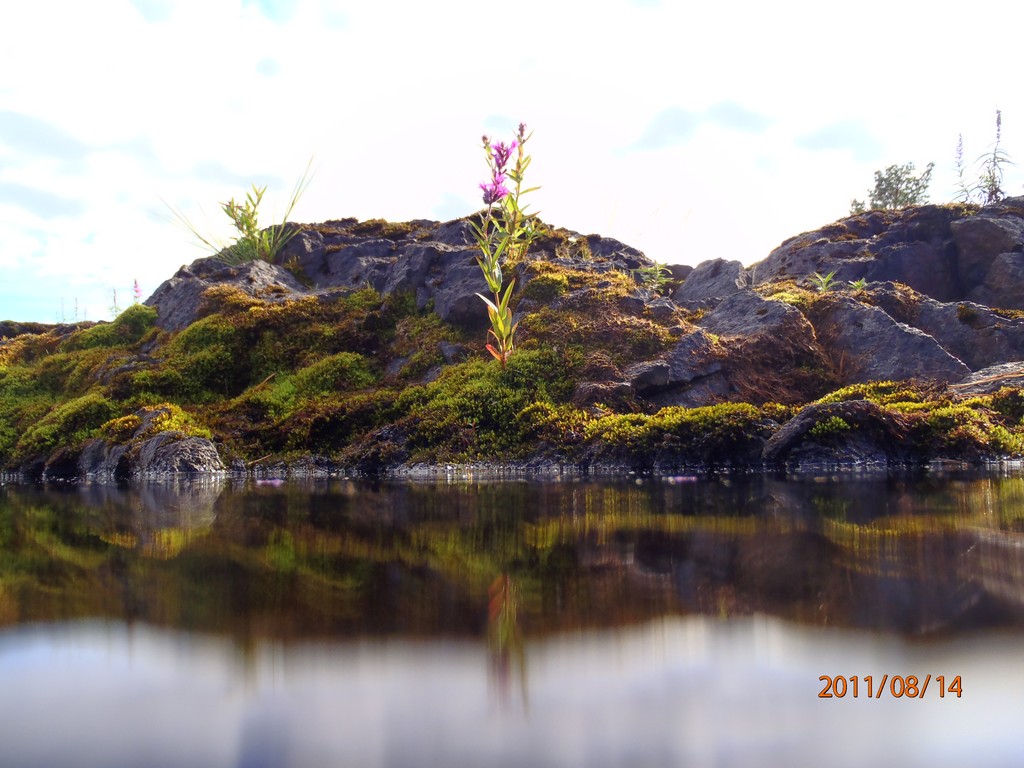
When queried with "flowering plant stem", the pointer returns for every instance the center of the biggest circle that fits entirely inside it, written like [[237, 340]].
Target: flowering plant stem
[[504, 235]]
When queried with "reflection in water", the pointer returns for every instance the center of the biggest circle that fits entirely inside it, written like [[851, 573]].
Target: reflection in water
[[338, 558], [677, 691], [504, 642], [652, 622]]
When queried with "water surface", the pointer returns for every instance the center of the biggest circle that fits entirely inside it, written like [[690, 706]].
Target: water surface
[[659, 622]]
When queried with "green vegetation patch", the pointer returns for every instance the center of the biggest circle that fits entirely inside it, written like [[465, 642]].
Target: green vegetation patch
[[66, 424], [880, 392], [126, 329], [714, 435]]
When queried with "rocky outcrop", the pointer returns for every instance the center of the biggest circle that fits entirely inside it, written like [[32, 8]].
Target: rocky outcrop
[[689, 375], [746, 313], [164, 454], [979, 241], [866, 344], [855, 432], [435, 262], [947, 252], [991, 379], [970, 332], [179, 300], [711, 281], [603, 333], [1003, 283]]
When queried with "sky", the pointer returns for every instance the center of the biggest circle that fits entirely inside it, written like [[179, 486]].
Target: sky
[[688, 130]]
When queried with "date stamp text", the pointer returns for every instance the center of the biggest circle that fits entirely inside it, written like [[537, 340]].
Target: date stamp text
[[895, 686]]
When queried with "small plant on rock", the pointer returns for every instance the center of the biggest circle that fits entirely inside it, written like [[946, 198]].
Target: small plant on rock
[[654, 277], [251, 243], [823, 283], [504, 235]]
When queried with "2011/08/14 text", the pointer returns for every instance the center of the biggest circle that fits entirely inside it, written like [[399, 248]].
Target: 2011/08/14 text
[[898, 687]]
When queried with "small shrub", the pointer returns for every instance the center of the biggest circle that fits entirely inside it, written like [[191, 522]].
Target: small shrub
[[823, 283]]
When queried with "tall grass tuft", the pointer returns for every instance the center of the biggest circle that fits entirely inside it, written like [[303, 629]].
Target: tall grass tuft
[[252, 243]]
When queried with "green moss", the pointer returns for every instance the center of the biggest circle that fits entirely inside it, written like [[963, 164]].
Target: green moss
[[966, 428], [966, 313], [23, 402], [546, 287], [473, 410], [714, 434], [127, 328], [168, 417], [382, 228], [66, 424], [1009, 402], [328, 425], [625, 339], [833, 425], [336, 373], [788, 292], [121, 429], [417, 338], [880, 392]]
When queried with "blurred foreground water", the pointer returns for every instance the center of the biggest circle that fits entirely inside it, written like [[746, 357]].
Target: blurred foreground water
[[665, 622]]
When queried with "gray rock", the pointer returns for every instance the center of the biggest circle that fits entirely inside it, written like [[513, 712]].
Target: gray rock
[[354, 266], [748, 314], [306, 250], [876, 246], [178, 301], [454, 284], [979, 240], [456, 233], [679, 271], [103, 462], [866, 344], [872, 436], [715, 278], [1004, 283], [968, 331], [812, 252], [409, 270], [992, 379], [395, 367], [453, 353], [611, 249], [661, 308], [170, 453], [689, 375], [903, 262], [648, 376]]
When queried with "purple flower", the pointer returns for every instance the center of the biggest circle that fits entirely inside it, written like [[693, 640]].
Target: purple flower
[[494, 190], [137, 291], [502, 154]]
